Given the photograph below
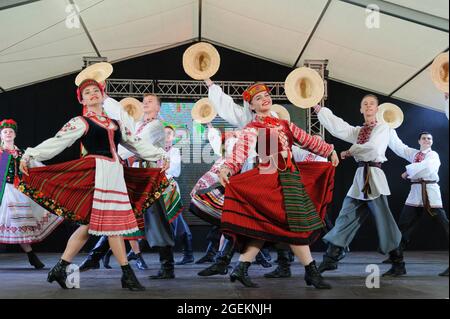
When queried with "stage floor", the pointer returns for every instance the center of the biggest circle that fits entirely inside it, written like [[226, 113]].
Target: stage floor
[[18, 280]]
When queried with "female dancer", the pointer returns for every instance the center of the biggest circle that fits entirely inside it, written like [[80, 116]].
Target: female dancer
[[22, 221], [92, 190], [276, 201]]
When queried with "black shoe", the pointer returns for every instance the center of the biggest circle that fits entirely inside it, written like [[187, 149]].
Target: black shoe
[[129, 279], [107, 259], [398, 266], [187, 259], [444, 274], [387, 261], [140, 262], [132, 256], [89, 263], [205, 259], [223, 260], [240, 273], [188, 252], [167, 270], [279, 272], [314, 278], [331, 258], [58, 273], [266, 254], [397, 269], [34, 260], [261, 260], [284, 266], [211, 252], [92, 261], [163, 274]]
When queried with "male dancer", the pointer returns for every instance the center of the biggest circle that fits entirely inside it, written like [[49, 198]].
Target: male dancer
[[424, 197], [369, 189]]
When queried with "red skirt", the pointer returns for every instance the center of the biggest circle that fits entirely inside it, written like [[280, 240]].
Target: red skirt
[[67, 189], [254, 204]]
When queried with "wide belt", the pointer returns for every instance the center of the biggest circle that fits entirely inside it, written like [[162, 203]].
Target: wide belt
[[366, 188], [425, 198]]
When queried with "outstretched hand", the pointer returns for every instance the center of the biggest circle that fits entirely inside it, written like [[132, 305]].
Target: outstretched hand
[[224, 176], [24, 167]]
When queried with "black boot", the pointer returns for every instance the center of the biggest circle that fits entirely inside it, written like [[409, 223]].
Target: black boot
[[444, 274], [261, 260], [95, 255], [107, 259], [167, 270], [266, 254], [34, 260], [129, 279], [140, 262], [58, 273], [211, 252], [313, 277], [132, 255], [398, 266], [284, 266], [223, 259], [331, 258], [240, 273], [387, 261], [188, 252]]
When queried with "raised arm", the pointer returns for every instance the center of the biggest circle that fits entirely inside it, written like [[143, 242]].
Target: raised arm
[[246, 142], [215, 140], [231, 112], [67, 135], [336, 126], [175, 163], [141, 147], [115, 111], [399, 148], [314, 144]]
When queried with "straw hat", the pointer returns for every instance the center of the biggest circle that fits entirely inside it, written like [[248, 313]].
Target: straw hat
[[281, 111], [390, 114], [439, 72], [133, 107], [304, 87], [203, 111], [201, 61], [98, 72]]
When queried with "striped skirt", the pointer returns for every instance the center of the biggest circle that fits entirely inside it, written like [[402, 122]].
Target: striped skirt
[[95, 192], [281, 207]]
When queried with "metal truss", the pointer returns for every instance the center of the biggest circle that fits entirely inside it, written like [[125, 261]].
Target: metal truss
[[194, 90], [175, 89]]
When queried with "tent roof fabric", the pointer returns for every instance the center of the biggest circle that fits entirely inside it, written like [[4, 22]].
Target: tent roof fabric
[[386, 52]]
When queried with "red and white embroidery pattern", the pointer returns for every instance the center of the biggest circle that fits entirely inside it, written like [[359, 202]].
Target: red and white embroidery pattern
[[419, 157], [249, 138], [365, 132]]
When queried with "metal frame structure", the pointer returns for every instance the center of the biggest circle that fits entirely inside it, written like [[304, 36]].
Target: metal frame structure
[[179, 89], [193, 90]]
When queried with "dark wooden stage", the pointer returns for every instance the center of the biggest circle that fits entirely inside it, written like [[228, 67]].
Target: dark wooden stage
[[18, 280]]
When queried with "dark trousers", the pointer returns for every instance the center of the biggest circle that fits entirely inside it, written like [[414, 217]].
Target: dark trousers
[[410, 218]]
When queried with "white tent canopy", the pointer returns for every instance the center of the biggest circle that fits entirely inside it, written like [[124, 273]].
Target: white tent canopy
[[43, 39]]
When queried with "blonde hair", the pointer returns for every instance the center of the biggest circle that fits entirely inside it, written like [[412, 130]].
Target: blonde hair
[[158, 99]]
